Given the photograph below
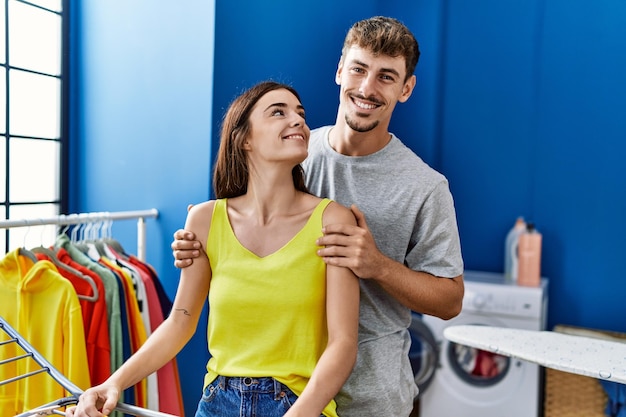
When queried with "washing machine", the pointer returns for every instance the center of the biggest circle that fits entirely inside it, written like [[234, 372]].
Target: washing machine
[[457, 380]]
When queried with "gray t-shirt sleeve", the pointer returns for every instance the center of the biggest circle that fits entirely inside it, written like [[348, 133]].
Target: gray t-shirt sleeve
[[435, 247]]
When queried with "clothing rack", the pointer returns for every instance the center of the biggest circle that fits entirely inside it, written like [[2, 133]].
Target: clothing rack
[[82, 218], [69, 386], [29, 352]]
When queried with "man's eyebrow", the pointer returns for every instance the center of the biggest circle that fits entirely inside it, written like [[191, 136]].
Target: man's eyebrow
[[390, 70], [363, 64], [385, 70]]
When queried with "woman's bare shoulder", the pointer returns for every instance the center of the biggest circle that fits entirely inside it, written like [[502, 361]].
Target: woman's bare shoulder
[[199, 219], [337, 213], [202, 208]]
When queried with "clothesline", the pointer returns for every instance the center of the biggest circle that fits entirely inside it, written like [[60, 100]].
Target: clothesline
[[81, 218]]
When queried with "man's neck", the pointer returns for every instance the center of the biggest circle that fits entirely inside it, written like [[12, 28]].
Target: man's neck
[[349, 142]]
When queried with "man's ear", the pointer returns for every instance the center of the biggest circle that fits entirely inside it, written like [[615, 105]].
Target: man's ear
[[338, 73], [407, 88]]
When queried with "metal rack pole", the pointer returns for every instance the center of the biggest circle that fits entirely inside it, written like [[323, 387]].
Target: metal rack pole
[[69, 219], [141, 239]]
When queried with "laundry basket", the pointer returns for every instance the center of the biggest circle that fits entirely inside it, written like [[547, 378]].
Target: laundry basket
[[572, 395]]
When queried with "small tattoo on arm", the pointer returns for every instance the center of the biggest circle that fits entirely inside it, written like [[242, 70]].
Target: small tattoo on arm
[[185, 312]]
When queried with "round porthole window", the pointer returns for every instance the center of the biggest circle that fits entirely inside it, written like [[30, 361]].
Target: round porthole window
[[477, 367]]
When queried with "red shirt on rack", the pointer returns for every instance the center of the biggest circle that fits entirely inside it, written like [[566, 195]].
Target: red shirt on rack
[[97, 324]]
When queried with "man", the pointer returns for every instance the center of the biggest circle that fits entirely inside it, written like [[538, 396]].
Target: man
[[405, 248]]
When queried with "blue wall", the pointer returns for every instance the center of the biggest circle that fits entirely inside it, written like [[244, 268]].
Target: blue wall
[[298, 45], [521, 104], [142, 87], [533, 124]]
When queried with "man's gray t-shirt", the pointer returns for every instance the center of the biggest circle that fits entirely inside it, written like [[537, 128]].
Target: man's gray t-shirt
[[410, 212]]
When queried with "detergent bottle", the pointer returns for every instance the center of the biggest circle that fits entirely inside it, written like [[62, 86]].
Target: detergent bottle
[[529, 257], [510, 249]]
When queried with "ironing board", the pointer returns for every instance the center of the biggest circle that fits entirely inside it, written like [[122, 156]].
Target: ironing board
[[597, 358]]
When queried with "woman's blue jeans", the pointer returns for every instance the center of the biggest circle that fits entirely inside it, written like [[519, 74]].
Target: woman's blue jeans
[[245, 397]]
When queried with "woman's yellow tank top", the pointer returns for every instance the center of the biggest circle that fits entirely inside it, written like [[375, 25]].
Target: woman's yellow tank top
[[267, 315]]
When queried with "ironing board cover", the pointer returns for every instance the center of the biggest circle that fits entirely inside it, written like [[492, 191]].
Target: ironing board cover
[[602, 359]]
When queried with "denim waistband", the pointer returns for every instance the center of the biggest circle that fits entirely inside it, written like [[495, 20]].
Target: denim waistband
[[250, 384]]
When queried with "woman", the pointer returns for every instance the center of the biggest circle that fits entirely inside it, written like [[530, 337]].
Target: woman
[[282, 325]]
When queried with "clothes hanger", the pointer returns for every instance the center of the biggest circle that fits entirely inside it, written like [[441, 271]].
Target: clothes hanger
[[97, 232], [25, 252], [28, 254], [51, 254], [107, 238], [94, 241], [79, 240], [117, 246], [101, 238]]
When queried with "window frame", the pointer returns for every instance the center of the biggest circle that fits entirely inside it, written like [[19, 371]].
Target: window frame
[[63, 175]]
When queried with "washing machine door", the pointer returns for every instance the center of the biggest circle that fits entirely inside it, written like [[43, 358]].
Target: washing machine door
[[475, 366], [471, 383], [424, 353]]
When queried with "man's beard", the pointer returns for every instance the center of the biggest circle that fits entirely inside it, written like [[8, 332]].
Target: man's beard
[[360, 127]]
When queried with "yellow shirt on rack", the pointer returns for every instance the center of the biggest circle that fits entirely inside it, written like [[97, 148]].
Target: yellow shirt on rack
[[43, 308]]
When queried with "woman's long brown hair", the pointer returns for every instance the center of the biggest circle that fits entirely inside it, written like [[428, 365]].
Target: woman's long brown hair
[[230, 178]]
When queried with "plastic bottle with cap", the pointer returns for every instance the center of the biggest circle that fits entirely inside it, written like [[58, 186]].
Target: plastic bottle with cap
[[510, 249], [529, 257]]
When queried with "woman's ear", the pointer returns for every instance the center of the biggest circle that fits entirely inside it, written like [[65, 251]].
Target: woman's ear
[[236, 138]]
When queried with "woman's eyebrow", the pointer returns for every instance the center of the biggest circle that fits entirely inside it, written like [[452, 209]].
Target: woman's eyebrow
[[283, 105]]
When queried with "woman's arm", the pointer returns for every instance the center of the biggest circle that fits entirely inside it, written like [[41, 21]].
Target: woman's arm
[[342, 310], [169, 338]]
